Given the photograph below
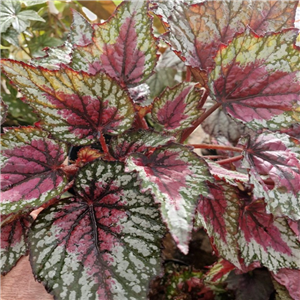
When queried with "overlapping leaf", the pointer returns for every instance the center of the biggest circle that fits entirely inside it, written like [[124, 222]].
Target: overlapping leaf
[[177, 108], [229, 176], [81, 33], [137, 141], [13, 245], [290, 279], [256, 79], [29, 169], [219, 214], [196, 32], [124, 46], [176, 177], [3, 110], [274, 162], [75, 107], [269, 240], [102, 244]]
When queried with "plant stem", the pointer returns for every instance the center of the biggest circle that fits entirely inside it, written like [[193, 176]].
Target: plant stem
[[213, 146], [105, 148], [229, 160], [206, 114]]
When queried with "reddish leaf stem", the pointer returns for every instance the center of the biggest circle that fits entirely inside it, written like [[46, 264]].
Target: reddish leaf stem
[[188, 75], [105, 148], [206, 114], [229, 160], [213, 146]]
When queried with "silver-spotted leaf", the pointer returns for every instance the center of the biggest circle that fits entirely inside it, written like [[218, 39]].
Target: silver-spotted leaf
[[137, 141], [176, 108], [30, 174], [3, 110], [247, 73], [274, 163], [102, 244], [81, 33], [176, 177], [219, 213], [13, 243], [196, 31], [261, 237], [229, 176], [124, 46], [75, 107]]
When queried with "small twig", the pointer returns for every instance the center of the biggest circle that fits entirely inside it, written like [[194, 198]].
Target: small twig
[[229, 160], [213, 146]]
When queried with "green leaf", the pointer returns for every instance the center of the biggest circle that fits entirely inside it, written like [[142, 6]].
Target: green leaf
[[176, 177], [11, 14], [11, 36], [3, 111], [104, 243], [37, 43]]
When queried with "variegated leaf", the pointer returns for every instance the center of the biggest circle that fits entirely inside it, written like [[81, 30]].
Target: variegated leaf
[[3, 110], [13, 243], [219, 213], [266, 239], [124, 46], [81, 33], [256, 79], [274, 163], [176, 177], [176, 108], [30, 174], [137, 141], [102, 244], [75, 107]]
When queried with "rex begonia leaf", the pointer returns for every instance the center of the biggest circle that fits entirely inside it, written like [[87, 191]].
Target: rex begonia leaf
[[137, 141], [124, 46], [3, 111], [11, 14], [176, 108], [81, 33], [219, 213], [196, 31], [275, 157], [103, 243], [228, 176], [214, 23], [75, 107], [289, 278], [257, 79], [176, 177], [30, 174], [241, 229], [261, 237], [13, 243]]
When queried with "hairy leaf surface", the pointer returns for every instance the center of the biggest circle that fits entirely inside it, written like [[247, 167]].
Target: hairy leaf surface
[[274, 162], [124, 46], [75, 107], [256, 79], [13, 245], [29, 169], [137, 141], [102, 244], [176, 108], [176, 177]]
